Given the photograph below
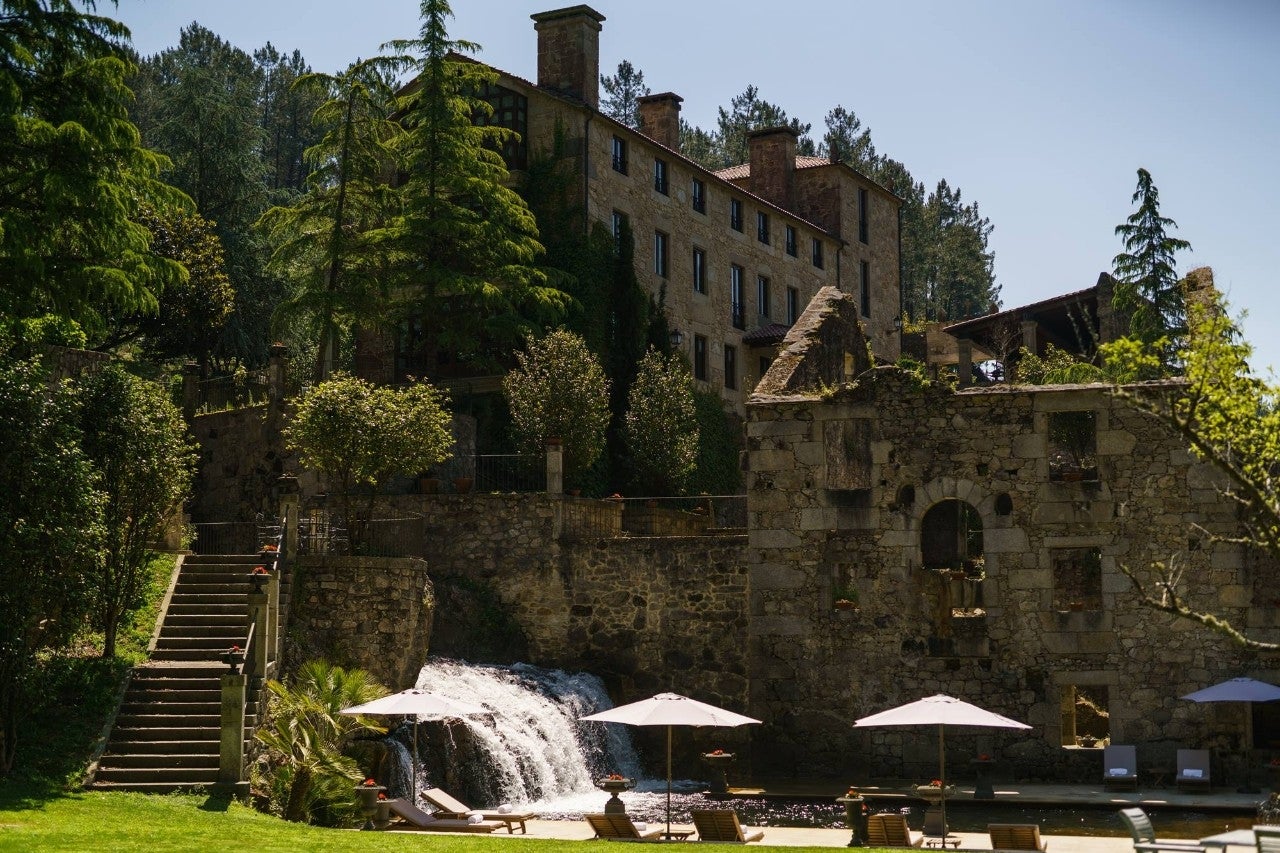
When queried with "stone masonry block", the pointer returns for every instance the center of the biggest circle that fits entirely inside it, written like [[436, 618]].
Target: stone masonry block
[[1029, 446], [772, 460], [1115, 442], [1005, 541]]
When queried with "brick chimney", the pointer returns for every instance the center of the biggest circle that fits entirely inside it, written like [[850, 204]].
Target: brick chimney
[[569, 52], [773, 164], [660, 118]]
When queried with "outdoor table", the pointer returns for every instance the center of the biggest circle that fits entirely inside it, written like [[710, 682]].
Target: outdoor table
[[678, 834], [1236, 837], [941, 841], [1159, 775]]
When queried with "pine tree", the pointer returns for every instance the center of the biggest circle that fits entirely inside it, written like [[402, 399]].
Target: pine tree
[[1146, 276], [621, 93], [468, 243]]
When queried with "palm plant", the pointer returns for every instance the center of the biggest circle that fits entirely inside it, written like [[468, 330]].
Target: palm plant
[[307, 772]]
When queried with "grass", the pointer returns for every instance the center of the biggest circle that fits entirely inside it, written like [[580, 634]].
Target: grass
[[93, 821]]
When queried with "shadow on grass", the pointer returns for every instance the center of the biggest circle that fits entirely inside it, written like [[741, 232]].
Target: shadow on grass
[[218, 801]]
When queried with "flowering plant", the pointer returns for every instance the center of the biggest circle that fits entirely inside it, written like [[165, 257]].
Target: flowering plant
[[615, 777], [717, 752], [234, 648], [269, 548], [982, 756], [381, 795], [936, 783], [369, 783], [260, 570]]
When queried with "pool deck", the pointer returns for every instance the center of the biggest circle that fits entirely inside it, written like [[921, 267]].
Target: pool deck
[[1060, 796]]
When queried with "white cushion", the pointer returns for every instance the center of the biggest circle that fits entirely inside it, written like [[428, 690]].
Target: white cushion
[[505, 808], [475, 818], [1118, 771], [640, 825], [1193, 773]]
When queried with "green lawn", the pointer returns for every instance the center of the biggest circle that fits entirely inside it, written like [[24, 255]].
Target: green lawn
[[97, 822]]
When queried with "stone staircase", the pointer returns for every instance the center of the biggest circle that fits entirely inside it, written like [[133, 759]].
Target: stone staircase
[[166, 736]]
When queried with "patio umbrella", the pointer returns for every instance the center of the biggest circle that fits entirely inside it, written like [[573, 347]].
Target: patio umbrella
[[670, 709], [940, 711], [1239, 690], [417, 703]]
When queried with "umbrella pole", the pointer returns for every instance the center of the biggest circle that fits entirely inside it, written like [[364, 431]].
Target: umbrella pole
[[668, 782], [942, 778], [413, 783]]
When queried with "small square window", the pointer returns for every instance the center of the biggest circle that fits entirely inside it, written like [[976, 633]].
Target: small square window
[[791, 240], [660, 241], [699, 196], [1077, 579], [762, 227], [660, 175], [817, 253], [619, 155], [700, 357], [699, 271], [730, 367], [1073, 449], [735, 214]]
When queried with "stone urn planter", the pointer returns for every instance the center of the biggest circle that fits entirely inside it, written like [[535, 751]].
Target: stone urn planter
[[932, 794], [719, 762], [367, 800], [615, 785]]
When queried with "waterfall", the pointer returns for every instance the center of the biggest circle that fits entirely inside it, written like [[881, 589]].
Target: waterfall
[[531, 748], [396, 770]]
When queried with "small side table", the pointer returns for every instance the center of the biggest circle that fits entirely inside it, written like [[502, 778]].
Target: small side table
[[982, 789], [1159, 775]]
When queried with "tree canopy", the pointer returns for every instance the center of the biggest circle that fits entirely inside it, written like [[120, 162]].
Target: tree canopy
[[621, 92]]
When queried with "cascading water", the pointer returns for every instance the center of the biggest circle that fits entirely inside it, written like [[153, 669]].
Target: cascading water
[[532, 747]]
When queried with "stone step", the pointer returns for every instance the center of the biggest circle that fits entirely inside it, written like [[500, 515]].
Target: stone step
[[198, 631], [154, 670], [155, 697], [180, 707], [131, 735], [213, 595], [207, 609], [162, 719], [163, 747], [177, 620], [200, 562], [218, 644], [206, 655], [163, 760], [152, 775]]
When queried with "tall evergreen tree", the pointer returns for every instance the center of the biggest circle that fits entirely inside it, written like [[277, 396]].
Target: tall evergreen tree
[[748, 112], [849, 142], [1146, 276], [621, 93], [467, 241], [285, 112]]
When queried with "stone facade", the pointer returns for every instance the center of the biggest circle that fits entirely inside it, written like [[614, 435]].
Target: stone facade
[[844, 488]]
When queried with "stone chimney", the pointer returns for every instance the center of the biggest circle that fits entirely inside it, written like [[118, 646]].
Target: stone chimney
[[773, 164], [569, 52], [660, 118]]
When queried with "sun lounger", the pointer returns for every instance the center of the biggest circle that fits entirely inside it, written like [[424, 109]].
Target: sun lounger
[[1144, 835], [419, 819], [722, 825], [1267, 838], [890, 830], [1015, 836], [447, 807], [1120, 766], [617, 825], [1193, 768]]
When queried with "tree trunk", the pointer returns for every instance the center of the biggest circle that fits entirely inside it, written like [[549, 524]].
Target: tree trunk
[[296, 807]]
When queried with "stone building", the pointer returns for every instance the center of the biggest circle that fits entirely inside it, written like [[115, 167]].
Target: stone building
[[734, 256], [976, 539]]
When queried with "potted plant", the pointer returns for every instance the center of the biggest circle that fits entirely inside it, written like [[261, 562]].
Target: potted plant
[[846, 598], [367, 800]]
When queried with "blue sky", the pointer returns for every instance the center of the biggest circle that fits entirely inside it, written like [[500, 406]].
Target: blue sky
[[1041, 111]]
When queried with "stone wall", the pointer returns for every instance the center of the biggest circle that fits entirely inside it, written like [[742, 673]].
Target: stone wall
[[1018, 648], [367, 612]]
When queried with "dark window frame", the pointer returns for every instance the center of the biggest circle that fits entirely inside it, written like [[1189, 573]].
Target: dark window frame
[[619, 222], [865, 292], [700, 357], [864, 225], [731, 367], [619, 152], [791, 241], [735, 214], [698, 195], [793, 305], [737, 310], [817, 253], [661, 253], [660, 175], [762, 227], [764, 298], [699, 270]]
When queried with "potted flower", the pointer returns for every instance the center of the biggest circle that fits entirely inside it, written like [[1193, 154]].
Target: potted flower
[[719, 761], [259, 577], [367, 795], [234, 658], [933, 792], [616, 782], [846, 598]]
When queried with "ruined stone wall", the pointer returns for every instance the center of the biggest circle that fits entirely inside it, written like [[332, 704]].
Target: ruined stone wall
[[826, 523], [242, 455]]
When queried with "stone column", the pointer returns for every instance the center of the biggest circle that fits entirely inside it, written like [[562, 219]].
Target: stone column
[[289, 512], [277, 366], [555, 467], [231, 751], [259, 619], [273, 616], [964, 366], [190, 389]]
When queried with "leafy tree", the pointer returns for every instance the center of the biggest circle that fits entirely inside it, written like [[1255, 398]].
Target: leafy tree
[[308, 775], [748, 112], [621, 93], [849, 142], [285, 112], [329, 240], [1055, 367], [719, 444], [662, 424], [957, 277], [358, 435], [466, 241], [698, 145], [50, 525], [73, 172], [558, 390], [1231, 419], [136, 439], [1146, 277]]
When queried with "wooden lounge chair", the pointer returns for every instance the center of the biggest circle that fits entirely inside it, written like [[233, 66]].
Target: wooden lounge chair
[[1144, 835], [1120, 766], [446, 806], [890, 830], [1015, 836], [617, 825], [1193, 768], [1267, 838], [722, 825], [419, 819]]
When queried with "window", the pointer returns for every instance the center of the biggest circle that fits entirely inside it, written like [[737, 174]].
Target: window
[[510, 110], [619, 231], [793, 305], [863, 227], [1086, 721], [765, 363], [660, 175], [737, 310], [660, 253], [866, 289], [699, 271], [1077, 579], [762, 296], [730, 367], [791, 240], [700, 357], [699, 196], [735, 214], [1073, 453], [619, 155], [762, 227], [817, 253]]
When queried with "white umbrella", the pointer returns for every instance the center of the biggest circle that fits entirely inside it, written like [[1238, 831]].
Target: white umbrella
[[942, 711], [417, 703], [1239, 690], [670, 709]]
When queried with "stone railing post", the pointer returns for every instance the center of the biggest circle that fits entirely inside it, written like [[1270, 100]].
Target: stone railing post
[[259, 619], [231, 750], [190, 389], [964, 364], [288, 513], [555, 467], [277, 366], [273, 617]]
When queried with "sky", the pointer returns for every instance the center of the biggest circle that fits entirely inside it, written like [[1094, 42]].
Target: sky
[[1042, 111]]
